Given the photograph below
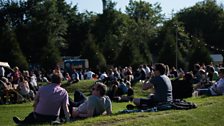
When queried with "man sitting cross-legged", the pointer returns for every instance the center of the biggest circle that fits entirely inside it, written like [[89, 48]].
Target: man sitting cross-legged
[[162, 86], [47, 104]]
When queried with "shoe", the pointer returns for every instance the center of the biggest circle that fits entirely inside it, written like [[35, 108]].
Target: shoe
[[56, 122], [17, 120], [130, 107]]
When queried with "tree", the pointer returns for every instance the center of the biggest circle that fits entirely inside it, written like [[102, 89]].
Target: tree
[[206, 20], [146, 18], [48, 28], [109, 30], [168, 53], [11, 15], [173, 34], [45, 31], [105, 4], [129, 55], [39, 29], [91, 51], [141, 10], [199, 54], [78, 27], [10, 50]]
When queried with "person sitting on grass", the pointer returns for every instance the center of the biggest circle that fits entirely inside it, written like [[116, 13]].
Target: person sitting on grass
[[47, 104], [121, 91], [216, 89], [96, 104], [162, 86], [24, 89], [183, 87]]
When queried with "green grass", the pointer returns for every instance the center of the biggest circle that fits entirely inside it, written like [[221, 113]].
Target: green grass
[[209, 112]]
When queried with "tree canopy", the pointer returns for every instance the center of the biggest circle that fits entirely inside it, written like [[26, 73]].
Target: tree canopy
[[41, 32]]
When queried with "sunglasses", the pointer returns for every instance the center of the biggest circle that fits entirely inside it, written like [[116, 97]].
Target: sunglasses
[[93, 89], [154, 69]]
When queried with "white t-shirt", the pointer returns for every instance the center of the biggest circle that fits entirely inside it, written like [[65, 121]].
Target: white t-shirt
[[89, 74], [218, 87]]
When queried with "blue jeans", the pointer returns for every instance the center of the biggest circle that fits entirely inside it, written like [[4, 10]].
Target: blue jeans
[[34, 117], [204, 91]]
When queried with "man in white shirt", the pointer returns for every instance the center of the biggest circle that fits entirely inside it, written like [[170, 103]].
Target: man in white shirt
[[89, 74]]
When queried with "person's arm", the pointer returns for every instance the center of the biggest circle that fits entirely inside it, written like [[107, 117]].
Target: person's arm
[[65, 108], [109, 109], [90, 108], [76, 112], [147, 85], [88, 114], [36, 100], [66, 112], [84, 115]]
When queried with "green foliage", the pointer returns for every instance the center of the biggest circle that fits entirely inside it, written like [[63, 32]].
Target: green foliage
[[140, 33], [141, 10], [92, 52], [42, 31], [50, 27], [129, 55], [10, 50], [144, 27], [200, 54], [167, 54], [110, 30], [197, 20]]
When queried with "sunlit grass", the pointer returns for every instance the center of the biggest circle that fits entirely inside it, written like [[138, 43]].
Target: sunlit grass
[[209, 112]]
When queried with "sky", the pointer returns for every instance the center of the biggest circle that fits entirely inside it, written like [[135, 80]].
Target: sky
[[167, 5]]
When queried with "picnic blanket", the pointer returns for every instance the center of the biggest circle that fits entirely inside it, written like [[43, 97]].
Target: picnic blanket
[[176, 104]]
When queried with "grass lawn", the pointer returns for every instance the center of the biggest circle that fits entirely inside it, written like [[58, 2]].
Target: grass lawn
[[209, 112]]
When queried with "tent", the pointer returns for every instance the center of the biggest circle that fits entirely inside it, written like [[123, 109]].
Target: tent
[[4, 64], [217, 58]]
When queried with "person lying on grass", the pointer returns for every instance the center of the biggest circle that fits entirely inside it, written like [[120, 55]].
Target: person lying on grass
[[96, 104]]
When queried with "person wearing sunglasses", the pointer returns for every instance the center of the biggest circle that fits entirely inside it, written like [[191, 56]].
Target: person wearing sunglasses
[[162, 88], [96, 104]]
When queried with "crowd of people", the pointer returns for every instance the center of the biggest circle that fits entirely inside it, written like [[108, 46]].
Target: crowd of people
[[17, 86], [51, 102]]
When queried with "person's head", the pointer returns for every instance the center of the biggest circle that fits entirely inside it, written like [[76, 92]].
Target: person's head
[[188, 76], [57, 67], [196, 67], [128, 83], [56, 79], [99, 89], [26, 73], [221, 72], [22, 78], [211, 69], [16, 68], [159, 69]]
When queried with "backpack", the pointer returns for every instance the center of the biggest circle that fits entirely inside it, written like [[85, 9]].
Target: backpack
[[182, 104]]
